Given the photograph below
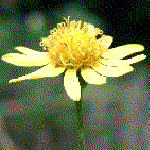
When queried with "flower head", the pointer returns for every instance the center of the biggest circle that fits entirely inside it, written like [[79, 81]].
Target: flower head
[[71, 46]]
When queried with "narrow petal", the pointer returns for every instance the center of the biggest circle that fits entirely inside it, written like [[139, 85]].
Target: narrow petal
[[26, 50], [46, 71], [72, 85], [110, 39], [123, 62], [106, 40], [92, 77], [37, 59], [122, 51], [112, 71], [91, 29]]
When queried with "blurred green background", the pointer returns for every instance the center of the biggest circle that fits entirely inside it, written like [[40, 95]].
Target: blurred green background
[[38, 114]]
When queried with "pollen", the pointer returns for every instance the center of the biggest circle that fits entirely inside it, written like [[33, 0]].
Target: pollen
[[74, 44]]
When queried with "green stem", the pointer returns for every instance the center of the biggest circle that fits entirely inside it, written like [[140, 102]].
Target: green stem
[[80, 124]]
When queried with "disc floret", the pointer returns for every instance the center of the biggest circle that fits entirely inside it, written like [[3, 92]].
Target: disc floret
[[71, 46]]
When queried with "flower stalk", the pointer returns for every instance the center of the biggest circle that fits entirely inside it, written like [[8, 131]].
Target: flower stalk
[[80, 124]]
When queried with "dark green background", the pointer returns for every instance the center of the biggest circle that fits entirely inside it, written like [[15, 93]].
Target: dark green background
[[39, 111]]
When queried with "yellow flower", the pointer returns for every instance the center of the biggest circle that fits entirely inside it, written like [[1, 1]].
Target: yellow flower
[[71, 48]]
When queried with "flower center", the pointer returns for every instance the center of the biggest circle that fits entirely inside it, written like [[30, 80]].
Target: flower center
[[73, 47]]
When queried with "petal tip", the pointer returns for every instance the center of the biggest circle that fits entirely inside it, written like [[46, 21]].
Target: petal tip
[[17, 47], [143, 56], [76, 99], [8, 55], [139, 47], [13, 80]]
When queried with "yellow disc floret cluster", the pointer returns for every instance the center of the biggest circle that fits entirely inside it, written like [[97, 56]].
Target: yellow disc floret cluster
[[71, 46]]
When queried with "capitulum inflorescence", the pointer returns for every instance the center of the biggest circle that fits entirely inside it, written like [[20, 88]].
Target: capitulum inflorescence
[[71, 46]]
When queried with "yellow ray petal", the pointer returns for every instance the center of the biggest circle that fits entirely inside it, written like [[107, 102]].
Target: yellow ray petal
[[91, 29], [110, 39], [92, 77], [26, 50], [46, 71], [112, 71], [72, 85], [123, 62], [122, 51], [106, 40], [38, 59]]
